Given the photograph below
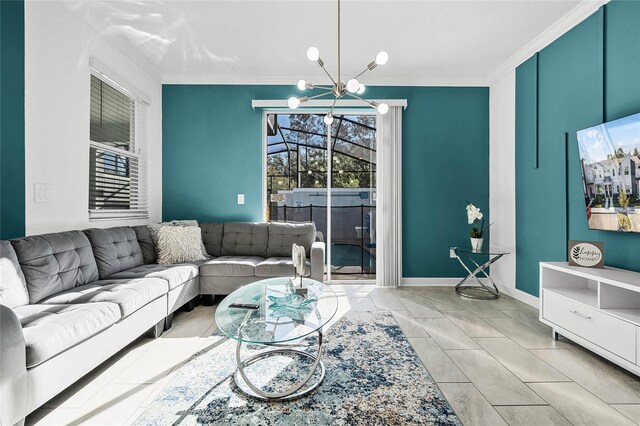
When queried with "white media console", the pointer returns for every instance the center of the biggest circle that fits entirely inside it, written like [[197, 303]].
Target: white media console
[[596, 308]]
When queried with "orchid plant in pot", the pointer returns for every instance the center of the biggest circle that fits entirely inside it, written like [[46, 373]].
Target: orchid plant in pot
[[474, 217]]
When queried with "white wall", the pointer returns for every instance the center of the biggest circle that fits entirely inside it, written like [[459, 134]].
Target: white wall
[[58, 45], [502, 182]]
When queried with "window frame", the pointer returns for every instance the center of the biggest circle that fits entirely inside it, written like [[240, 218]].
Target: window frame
[[138, 155]]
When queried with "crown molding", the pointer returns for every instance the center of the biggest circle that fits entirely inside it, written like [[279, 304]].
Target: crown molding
[[326, 103], [471, 81], [576, 15]]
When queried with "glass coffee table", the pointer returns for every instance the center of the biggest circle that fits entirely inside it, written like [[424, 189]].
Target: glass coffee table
[[278, 318]]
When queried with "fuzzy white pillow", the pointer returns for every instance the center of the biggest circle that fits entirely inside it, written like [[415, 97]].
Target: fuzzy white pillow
[[178, 244], [154, 228]]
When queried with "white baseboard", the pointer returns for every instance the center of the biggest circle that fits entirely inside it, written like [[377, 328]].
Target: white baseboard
[[450, 282], [434, 282], [521, 296]]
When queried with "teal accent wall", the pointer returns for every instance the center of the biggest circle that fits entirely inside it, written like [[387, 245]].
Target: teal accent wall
[[212, 150], [587, 76], [12, 157]]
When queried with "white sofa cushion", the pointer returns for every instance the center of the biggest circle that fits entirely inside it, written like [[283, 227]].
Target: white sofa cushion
[[175, 275], [52, 329], [130, 295], [231, 266], [279, 267]]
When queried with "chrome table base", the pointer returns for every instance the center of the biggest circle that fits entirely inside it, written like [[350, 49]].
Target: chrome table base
[[480, 291], [297, 390]]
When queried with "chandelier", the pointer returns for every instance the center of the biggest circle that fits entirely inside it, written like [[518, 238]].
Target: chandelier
[[353, 88]]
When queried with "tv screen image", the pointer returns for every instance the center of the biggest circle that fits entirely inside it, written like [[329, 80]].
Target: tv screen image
[[610, 165]]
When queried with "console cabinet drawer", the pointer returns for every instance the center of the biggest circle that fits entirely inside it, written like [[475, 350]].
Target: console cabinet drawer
[[608, 332]]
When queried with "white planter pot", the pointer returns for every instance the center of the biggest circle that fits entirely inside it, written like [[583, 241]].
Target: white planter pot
[[476, 244]]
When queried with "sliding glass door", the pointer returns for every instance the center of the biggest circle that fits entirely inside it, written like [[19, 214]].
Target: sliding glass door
[[305, 183]]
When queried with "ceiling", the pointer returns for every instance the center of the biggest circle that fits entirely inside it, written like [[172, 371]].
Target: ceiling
[[266, 41]]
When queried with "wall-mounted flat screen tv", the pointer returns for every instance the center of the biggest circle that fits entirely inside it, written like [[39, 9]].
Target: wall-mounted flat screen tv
[[610, 160]]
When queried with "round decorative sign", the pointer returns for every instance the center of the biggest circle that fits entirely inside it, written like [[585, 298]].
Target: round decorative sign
[[587, 254]]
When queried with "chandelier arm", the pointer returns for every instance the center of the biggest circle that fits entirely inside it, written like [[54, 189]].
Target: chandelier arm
[[361, 99], [319, 95], [365, 70], [370, 67], [315, 86], [327, 72], [333, 106]]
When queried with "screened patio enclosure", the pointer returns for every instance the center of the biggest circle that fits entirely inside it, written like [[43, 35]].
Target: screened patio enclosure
[[297, 178]]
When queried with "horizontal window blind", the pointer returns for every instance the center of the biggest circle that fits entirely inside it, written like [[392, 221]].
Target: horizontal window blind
[[117, 163]]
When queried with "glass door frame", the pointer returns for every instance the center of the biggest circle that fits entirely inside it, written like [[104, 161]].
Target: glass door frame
[[337, 111]]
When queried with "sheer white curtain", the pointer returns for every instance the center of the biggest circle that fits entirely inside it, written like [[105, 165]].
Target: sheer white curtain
[[389, 221]]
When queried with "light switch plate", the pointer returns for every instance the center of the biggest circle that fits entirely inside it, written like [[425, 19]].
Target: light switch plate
[[240, 198], [42, 192]]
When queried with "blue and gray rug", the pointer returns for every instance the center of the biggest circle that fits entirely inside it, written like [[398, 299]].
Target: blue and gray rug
[[373, 377]]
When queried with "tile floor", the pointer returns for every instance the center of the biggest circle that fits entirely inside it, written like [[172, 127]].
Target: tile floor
[[493, 360]]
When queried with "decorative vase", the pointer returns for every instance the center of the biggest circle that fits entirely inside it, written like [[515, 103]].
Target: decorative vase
[[476, 244]]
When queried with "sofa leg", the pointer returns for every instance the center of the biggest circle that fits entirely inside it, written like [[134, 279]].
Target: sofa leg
[[168, 322], [190, 305], [207, 299], [156, 330]]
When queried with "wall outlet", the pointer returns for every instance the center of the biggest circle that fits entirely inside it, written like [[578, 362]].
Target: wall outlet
[[240, 198], [452, 253], [42, 192]]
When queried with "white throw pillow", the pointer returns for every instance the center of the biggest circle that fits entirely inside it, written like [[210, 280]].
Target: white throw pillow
[[178, 244], [154, 228]]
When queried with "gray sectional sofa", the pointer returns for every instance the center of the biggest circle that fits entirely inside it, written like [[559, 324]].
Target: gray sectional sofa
[[71, 300]]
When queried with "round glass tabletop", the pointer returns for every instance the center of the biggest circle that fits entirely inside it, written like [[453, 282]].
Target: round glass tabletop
[[280, 316]]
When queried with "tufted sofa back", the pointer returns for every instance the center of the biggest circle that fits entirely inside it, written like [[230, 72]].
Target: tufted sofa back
[[212, 233], [147, 245], [53, 263], [283, 235], [13, 289], [245, 239], [115, 249], [272, 239]]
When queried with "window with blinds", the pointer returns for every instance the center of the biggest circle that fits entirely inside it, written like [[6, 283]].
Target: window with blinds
[[117, 175]]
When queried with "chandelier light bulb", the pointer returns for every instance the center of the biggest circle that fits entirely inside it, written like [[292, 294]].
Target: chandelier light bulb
[[328, 119], [382, 57], [353, 85], [313, 54], [293, 102], [383, 108]]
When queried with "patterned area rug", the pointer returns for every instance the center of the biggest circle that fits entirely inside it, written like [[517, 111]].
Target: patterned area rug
[[373, 377]]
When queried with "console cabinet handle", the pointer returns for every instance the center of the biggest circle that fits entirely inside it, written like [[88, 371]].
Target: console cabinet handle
[[579, 314]]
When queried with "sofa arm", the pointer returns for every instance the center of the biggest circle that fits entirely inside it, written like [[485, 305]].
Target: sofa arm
[[317, 261], [13, 369]]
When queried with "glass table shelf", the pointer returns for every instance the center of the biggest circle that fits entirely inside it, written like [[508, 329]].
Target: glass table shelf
[[281, 316]]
